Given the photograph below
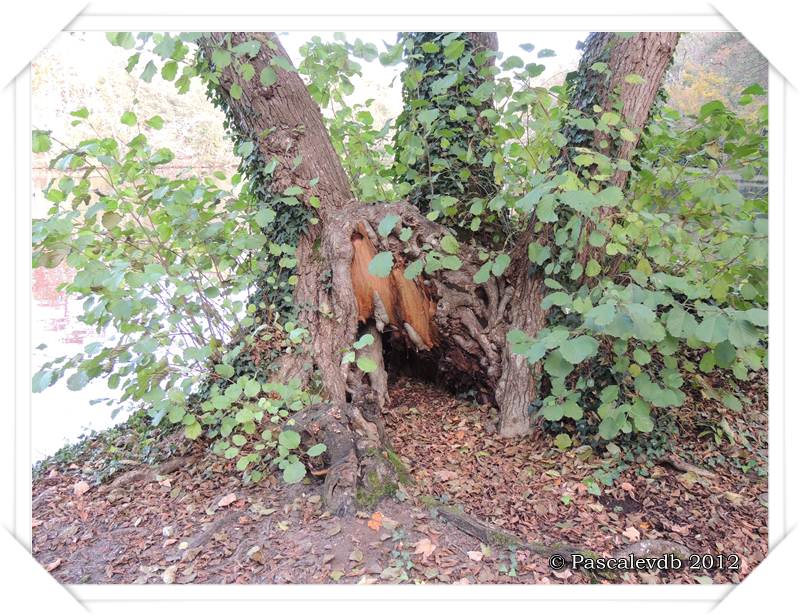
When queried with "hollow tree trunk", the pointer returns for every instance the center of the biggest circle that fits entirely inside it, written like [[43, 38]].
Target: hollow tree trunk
[[443, 318]]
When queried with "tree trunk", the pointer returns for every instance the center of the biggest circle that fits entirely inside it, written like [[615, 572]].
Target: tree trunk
[[444, 319]]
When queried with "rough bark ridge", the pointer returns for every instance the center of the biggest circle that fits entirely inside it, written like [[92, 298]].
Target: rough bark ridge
[[444, 318]]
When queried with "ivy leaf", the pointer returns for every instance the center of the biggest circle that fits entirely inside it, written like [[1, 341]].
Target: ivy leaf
[[441, 85], [381, 264]]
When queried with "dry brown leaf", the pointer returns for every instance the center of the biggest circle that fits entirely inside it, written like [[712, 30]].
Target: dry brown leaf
[[475, 555], [52, 565], [375, 520], [425, 547], [80, 488], [631, 533], [227, 499]]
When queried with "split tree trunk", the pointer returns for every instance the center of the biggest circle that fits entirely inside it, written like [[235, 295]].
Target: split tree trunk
[[445, 319]]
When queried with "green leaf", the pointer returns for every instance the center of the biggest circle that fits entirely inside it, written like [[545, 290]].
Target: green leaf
[[41, 381], [387, 224], [537, 253], [714, 329], [580, 200], [193, 430], [282, 62], [381, 264], [221, 58], [366, 364], [41, 141], [268, 76], [559, 298], [483, 274], [156, 122], [289, 439], [169, 70], [441, 85], [294, 472], [224, 370], [450, 244], [265, 216], [575, 350], [414, 269], [500, 264], [680, 324], [556, 365], [128, 118], [641, 357], [236, 91], [317, 450], [77, 381], [563, 441], [428, 116], [110, 220], [757, 317]]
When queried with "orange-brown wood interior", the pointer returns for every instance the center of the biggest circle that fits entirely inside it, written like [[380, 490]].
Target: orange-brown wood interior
[[405, 301]]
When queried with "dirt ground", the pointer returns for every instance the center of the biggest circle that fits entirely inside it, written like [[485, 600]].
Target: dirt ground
[[199, 524]]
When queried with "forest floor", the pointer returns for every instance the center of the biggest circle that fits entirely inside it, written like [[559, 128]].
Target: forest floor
[[200, 524]]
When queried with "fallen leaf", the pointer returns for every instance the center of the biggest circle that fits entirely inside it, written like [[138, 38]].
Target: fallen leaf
[[375, 521], [35, 523], [631, 533], [626, 486], [336, 575], [357, 556], [227, 500], [425, 547], [81, 488], [475, 555], [255, 553], [445, 475], [563, 575], [735, 498], [169, 574], [52, 565]]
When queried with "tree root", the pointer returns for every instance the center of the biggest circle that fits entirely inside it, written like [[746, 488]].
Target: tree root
[[681, 465], [495, 536], [360, 468], [146, 475]]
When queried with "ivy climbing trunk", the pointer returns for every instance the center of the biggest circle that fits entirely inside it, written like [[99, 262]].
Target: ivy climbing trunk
[[443, 317]]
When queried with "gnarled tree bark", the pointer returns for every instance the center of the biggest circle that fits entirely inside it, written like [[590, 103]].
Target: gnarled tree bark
[[444, 318]]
